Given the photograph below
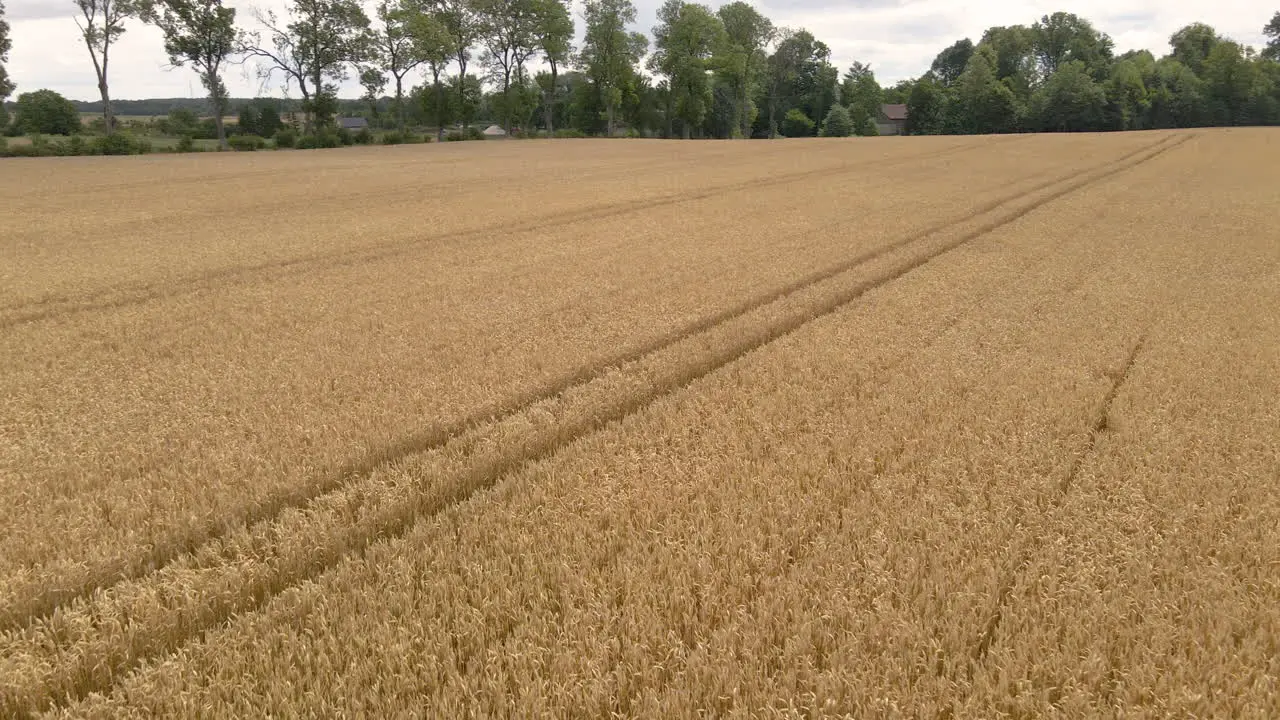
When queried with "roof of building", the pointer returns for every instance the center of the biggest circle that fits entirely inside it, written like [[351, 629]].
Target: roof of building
[[353, 123], [494, 130], [894, 112]]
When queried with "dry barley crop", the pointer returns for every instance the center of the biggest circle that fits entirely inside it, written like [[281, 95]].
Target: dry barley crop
[[935, 427]]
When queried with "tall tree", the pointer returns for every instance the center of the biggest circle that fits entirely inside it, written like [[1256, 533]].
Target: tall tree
[[741, 56], [1272, 31], [610, 52], [1192, 45], [202, 34], [1128, 102], [982, 103], [6, 85], [431, 42], [313, 50], [950, 63], [1063, 37], [462, 26], [374, 82], [1229, 79], [101, 23], [862, 95], [554, 35], [394, 49], [508, 30], [1070, 101], [926, 107], [683, 40]]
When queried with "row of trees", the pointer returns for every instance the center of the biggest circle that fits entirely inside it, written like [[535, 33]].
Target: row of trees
[[723, 73], [1061, 74]]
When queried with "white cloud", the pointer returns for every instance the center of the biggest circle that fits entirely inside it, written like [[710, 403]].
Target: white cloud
[[898, 37]]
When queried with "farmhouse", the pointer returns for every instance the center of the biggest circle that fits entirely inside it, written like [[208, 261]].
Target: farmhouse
[[892, 120], [354, 124], [494, 131]]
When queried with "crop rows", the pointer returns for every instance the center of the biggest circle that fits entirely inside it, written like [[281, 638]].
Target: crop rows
[[825, 456]]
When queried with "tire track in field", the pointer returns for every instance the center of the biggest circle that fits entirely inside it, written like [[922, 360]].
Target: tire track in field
[[86, 648], [120, 297], [1099, 427], [42, 604]]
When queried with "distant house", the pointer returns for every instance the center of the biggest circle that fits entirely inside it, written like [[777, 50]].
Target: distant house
[[494, 131], [354, 124], [892, 120]]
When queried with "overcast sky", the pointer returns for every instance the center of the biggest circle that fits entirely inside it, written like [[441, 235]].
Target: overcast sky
[[899, 38]]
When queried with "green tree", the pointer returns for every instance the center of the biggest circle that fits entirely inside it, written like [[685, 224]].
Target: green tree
[[46, 112], [6, 85], [838, 123], [781, 70], [1015, 62], [1069, 101], [466, 94], [374, 83], [101, 23], [981, 104], [862, 95], [1272, 32], [1230, 80], [740, 58], [1128, 103], [1192, 45], [926, 108], [553, 33], [797, 124], [1177, 96], [313, 50], [683, 40], [610, 52], [1063, 37], [394, 50], [462, 26], [898, 94], [508, 31], [202, 34], [260, 117], [431, 42], [951, 62]]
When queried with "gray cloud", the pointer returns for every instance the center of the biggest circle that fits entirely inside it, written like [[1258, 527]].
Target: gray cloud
[[18, 10]]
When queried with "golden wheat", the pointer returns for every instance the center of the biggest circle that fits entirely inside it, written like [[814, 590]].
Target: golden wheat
[[820, 431]]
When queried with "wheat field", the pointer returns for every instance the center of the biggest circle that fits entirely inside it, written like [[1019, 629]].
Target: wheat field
[[904, 427]]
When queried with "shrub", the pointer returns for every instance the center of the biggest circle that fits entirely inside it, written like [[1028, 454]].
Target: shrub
[[286, 138], [570, 133], [76, 146], [838, 123], [45, 111], [322, 139], [797, 124], [364, 137], [454, 136], [474, 133], [246, 143], [408, 138], [186, 144], [119, 144], [345, 137]]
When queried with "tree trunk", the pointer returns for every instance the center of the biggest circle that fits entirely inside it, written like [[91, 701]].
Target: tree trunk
[[506, 102], [108, 117], [608, 125], [746, 114], [400, 103], [222, 131], [462, 93], [439, 108], [773, 118], [551, 104]]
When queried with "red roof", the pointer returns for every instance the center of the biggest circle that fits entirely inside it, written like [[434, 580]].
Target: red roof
[[894, 112]]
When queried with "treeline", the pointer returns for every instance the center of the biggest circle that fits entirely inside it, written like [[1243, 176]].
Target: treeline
[[721, 73], [1062, 74]]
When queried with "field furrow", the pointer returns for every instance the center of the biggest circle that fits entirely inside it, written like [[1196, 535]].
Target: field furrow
[[344, 420], [964, 428]]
